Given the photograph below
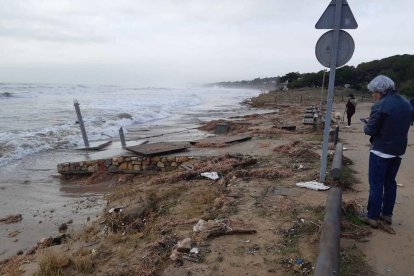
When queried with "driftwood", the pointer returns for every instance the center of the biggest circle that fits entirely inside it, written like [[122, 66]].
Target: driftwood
[[231, 232], [181, 222]]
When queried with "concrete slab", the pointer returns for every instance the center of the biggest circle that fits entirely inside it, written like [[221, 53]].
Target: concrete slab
[[223, 139], [160, 148], [97, 146]]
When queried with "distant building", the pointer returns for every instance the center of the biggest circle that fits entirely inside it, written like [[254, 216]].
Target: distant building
[[284, 86]]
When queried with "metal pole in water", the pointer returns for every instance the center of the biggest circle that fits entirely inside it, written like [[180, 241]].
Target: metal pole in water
[[122, 137], [82, 126]]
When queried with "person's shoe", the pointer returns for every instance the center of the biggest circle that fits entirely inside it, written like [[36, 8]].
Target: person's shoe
[[386, 219], [371, 222]]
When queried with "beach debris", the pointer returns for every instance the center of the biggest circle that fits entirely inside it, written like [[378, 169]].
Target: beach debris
[[47, 242], [194, 250], [220, 141], [313, 185], [175, 255], [299, 266], [218, 228], [221, 201], [13, 234], [201, 226], [63, 227], [187, 167], [400, 185], [11, 219], [290, 128], [268, 173], [298, 149], [211, 175], [184, 245], [191, 258], [183, 250], [115, 210]]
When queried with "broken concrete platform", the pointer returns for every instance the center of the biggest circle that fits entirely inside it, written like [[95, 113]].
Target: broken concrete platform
[[222, 139], [159, 148]]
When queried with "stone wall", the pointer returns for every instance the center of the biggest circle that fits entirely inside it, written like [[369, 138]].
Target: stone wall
[[123, 164]]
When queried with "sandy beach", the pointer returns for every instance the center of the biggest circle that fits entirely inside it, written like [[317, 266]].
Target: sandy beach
[[258, 222]]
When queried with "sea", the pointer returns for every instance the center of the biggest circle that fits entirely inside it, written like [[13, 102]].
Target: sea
[[41, 117], [39, 128]]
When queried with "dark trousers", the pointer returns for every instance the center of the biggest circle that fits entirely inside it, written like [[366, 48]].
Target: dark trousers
[[349, 116], [382, 185]]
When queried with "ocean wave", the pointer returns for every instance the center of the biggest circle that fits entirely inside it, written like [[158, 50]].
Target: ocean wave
[[16, 145]]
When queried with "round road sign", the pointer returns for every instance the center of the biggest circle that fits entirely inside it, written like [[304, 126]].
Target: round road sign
[[324, 47]]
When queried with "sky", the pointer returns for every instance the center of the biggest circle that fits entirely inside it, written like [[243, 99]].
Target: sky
[[160, 42]]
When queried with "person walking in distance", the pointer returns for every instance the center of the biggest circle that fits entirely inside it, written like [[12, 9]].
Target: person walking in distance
[[387, 126], [350, 108]]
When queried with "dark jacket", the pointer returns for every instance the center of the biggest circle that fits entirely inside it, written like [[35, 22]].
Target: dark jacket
[[350, 106], [389, 123]]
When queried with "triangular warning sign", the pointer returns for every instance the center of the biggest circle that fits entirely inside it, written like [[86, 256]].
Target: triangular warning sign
[[328, 17]]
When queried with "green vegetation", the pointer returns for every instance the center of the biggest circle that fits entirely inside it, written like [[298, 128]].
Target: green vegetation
[[400, 68]]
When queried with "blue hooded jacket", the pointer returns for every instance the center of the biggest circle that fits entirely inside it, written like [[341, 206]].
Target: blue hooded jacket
[[389, 123]]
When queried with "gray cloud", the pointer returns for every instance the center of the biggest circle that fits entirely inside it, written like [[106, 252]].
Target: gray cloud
[[183, 40]]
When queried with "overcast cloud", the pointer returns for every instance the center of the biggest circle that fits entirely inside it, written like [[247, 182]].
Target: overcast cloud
[[182, 41]]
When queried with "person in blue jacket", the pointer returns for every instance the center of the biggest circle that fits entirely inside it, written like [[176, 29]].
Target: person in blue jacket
[[388, 127]]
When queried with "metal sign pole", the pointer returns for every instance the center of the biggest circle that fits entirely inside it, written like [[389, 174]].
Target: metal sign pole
[[323, 86], [82, 126], [331, 88]]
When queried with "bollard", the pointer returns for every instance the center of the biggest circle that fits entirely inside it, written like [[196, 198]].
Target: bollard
[[82, 126], [342, 98], [122, 137], [327, 263], [337, 162], [336, 137]]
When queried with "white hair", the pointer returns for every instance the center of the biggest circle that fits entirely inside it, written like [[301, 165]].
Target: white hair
[[381, 84]]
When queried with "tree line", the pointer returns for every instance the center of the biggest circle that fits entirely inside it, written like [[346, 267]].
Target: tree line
[[399, 68]]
